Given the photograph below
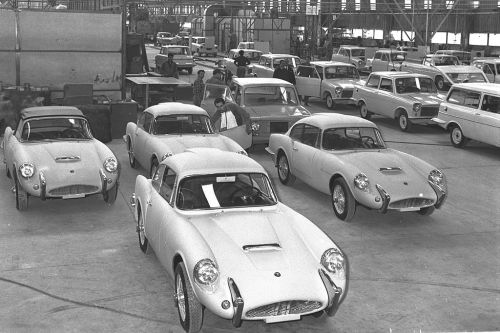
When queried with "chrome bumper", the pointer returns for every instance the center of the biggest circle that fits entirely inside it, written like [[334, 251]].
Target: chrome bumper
[[238, 302], [333, 291], [386, 198], [440, 193]]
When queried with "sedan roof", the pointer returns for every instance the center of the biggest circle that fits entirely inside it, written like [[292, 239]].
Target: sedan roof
[[329, 63], [335, 120], [259, 81], [488, 88], [205, 161], [47, 111], [395, 74], [172, 108]]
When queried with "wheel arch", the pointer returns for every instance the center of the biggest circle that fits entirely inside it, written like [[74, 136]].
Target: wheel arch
[[451, 124], [399, 110], [334, 177]]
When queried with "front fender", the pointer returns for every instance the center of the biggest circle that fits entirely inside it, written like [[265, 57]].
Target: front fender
[[130, 132]]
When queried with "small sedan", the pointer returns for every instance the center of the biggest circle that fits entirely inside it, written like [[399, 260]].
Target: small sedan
[[268, 63], [170, 128], [228, 61], [409, 98], [52, 155], [215, 224], [346, 157]]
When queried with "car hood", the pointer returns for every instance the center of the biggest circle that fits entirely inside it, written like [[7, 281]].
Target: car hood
[[345, 84], [63, 152], [179, 143], [423, 98], [273, 111]]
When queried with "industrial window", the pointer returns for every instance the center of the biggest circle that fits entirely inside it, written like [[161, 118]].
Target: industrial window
[[343, 5], [408, 4], [357, 4], [449, 4], [373, 4], [427, 4], [475, 4]]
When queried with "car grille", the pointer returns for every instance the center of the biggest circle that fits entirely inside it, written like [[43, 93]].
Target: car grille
[[347, 93], [278, 127], [283, 308], [74, 189], [411, 203], [429, 111]]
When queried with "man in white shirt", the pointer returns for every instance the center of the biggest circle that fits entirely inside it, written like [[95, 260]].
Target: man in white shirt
[[230, 115]]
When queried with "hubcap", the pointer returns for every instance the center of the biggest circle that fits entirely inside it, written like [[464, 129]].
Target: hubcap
[[142, 237], [402, 121], [329, 101], [457, 135], [339, 199], [283, 168], [363, 111], [179, 295]]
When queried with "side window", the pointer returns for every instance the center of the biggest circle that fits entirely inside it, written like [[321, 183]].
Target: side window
[[488, 70], [385, 57], [262, 61], [386, 84], [167, 184], [427, 61], [310, 136], [296, 132], [378, 55], [456, 96], [491, 103], [472, 99], [318, 71], [304, 71], [148, 119], [156, 181], [373, 81]]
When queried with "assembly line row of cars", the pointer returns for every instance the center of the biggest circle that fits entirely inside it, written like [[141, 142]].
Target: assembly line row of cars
[[211, 213]]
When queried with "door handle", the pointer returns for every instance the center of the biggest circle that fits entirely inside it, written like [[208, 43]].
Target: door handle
[[149, 202], [295, 149]]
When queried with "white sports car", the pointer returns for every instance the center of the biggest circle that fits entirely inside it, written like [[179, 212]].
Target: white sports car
[[214, 221], [346, 157], [169, 128]]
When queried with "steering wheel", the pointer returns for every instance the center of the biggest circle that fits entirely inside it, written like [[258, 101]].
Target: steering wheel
[[367, 141], [71, 133], [182, 200], [245, 195]]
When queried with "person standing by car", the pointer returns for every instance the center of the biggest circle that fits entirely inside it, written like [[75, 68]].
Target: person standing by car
[[216, 78], [241, 63], [169, 67], [284, 72], [198, 88], [230, 115], [307, 62]]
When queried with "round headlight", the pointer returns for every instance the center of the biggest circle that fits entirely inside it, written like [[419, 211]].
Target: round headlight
[[206, 272], [361, 181], [166, 155], [338, 91], [333, 260], [417, 107], [436, 177], [111, 164], [27, 170], [255, 127]]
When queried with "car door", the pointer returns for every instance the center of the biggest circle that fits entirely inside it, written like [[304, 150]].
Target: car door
[[370, 90], [461, 113], [308, 82], [382, 103], [304, 153], [140, 149], [153, 208], [166, 208], [488, 120], [377, 64]]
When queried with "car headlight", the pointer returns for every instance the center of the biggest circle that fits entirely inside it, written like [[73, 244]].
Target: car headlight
[[437, 177], [338, 91], [166, 155], [27, 170], [255, 127], [206, 272], [417, 107], [361, 181], [111, 164], [333, 260]]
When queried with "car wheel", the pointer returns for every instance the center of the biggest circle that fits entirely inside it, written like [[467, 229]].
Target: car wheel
[[7, 171], [344, 204], [404, 123], [110, 195], [131, 157], [21, 196], [363, 111], [329, 101], [189, 309], [190, 71], [284, 173], [439, 81], [154, 167], [457, 137], [143, 240], [427, 210]]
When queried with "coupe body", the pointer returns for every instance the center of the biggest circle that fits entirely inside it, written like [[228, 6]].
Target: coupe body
[[52, 154], [170, 128], [218, 229], [406, 97], [346, 157]]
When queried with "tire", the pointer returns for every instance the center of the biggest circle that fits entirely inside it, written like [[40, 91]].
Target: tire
[[439, 81], [403, 122], [154, 167], [427, 210], [131, 158], [284, 174], [363, 111], [110, 195], [343, 202], [190, 70], [143, 240], [21, 196], [189, 308], [457, 137], [7, 171], [329, 101]]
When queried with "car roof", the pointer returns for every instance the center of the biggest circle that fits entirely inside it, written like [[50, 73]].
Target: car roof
[[495, 60], [329, 63], [352, 47], [390, 51], [202, 161], [460, 69], [171, 108], [245, 50], [279, 55], [394, 74], [335, 120], [257, 81], [172, 46], [47, 111], [489, 88]]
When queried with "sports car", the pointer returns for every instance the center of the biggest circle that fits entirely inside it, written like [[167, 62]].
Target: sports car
[[346, 157], [214, 221], [52, 154], [169, 128]]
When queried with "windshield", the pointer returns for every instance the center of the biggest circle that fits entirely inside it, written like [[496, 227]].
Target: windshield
[[358, 52], [56, 128], [408, 85], [199, 40], [446, 61], [466, 77], [270, 95], [182, 124], [341, 72], [398, 56], [225, 190], [177, 50], [290, 61], [352, 138]]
